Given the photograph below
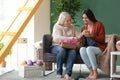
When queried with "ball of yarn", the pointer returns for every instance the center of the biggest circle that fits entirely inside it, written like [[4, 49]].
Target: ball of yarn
[[23, 63], [29, 62], [118, 45], [39, 62]]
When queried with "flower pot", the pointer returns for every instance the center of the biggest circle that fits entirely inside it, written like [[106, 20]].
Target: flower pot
[[3, 63]]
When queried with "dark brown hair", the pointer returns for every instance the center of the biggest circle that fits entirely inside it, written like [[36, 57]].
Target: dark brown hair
[[89, 14]]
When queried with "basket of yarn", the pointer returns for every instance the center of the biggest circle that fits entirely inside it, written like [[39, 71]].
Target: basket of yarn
[[68, 43]]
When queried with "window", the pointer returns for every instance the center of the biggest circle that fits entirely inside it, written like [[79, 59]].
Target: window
[[8, 10]]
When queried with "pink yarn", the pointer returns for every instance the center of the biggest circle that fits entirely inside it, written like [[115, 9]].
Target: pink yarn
[[73, 41]]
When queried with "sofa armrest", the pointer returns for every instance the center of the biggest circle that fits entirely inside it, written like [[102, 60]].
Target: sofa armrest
[[47, 42]]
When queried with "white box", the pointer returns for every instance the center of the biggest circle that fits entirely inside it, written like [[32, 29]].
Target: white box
[[30, 71]]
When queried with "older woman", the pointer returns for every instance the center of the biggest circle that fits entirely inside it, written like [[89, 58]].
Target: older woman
[[63, 29]]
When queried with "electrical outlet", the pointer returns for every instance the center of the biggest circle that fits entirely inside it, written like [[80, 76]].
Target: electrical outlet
[[22, 40]]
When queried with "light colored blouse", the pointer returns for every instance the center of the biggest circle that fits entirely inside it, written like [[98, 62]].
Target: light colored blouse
[[61, 32]]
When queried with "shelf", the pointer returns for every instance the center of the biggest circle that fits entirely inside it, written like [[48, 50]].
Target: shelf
[[116, 73]]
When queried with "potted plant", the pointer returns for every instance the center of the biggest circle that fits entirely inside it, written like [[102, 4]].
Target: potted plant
[[71, 6], [3, 64]]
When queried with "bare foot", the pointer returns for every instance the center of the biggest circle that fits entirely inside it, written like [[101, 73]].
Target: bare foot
[[89, 75], [59, 76], [67, 77], [94, 75]]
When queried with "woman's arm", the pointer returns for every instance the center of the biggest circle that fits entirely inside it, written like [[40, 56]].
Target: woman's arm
[[98, 33], [57, 33]]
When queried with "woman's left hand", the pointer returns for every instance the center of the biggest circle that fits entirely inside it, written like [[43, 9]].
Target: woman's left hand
[[86, 33]]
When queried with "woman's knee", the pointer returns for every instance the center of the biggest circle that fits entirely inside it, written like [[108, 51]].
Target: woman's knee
[[93, 50], [90, 51], [82, 50], [61, 53], [61, 50]]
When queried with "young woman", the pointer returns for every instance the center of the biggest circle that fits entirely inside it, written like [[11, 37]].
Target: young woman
[[63, 29], [94, 30]]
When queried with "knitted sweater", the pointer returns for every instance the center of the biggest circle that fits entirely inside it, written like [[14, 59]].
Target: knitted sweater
[[98, 33], [61, 32]]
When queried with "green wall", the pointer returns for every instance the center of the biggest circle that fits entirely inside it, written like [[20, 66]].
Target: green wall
[[107, 11]]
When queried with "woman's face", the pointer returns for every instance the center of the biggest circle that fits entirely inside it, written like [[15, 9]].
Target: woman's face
[[85, 19], [67, 21]]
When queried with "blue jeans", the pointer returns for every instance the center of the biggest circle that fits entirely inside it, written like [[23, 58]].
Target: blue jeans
[[61, 55], [88, 55]]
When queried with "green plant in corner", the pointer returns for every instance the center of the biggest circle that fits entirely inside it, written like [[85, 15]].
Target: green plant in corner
[[3, 64], [2, 45], [71, 6]]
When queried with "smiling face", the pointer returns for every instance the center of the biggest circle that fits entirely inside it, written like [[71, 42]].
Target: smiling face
[[85, 19], [88, 17], [67, 21]]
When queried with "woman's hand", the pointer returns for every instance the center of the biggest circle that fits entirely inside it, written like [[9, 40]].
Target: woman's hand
[[86, 33], [79, 36]]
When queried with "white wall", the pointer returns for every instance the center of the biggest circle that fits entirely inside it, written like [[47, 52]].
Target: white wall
[[38, 25], [42, 20]]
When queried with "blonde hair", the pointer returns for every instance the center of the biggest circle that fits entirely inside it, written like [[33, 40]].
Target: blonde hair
[[62, 17]]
